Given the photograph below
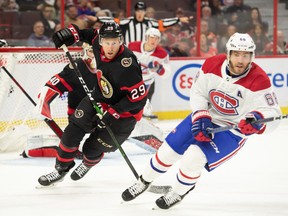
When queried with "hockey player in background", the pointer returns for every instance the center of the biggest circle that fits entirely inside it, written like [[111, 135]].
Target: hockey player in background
[[154, 60], [120, 92], [228, 89], [67, 81], [57, 85]]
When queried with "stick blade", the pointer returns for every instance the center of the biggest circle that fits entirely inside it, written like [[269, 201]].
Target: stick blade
[[159, 189]]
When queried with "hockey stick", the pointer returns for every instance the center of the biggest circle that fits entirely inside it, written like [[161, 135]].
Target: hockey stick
[[152, 188], [51, 123], [260, 121]]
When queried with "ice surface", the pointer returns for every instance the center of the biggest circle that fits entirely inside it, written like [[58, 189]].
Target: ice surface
[[253, 183]]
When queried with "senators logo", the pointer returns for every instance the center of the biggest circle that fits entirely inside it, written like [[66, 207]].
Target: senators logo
[[126, 62], [78, 113], [224, 103], [104, 85]]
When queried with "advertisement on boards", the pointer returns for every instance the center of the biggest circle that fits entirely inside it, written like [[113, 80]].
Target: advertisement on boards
[[172, 94]]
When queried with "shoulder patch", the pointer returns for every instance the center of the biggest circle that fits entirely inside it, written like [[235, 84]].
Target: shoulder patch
[[79, 113], [126, 62]]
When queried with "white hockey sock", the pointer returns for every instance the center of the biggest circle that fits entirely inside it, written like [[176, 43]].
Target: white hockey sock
[[160, 162], [191, 165]]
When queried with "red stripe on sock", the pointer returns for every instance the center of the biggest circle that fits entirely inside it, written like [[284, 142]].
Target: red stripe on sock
[[188, 177], [65, 160], [64, 148], [160, 162]]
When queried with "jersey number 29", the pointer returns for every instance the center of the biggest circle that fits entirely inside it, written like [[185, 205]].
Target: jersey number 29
[[138, 92]]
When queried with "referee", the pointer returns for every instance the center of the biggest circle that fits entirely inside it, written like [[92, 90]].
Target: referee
[[134, 27]]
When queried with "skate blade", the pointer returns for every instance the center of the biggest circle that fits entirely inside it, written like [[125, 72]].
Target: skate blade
[[155, 208], [48, 186]]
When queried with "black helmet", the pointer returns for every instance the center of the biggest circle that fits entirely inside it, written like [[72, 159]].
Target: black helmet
[[110, 30], [140, 6]]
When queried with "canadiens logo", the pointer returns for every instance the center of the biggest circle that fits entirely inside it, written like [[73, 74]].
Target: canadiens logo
[[78, 113], [104, 85], [126, 62], [224, 103]]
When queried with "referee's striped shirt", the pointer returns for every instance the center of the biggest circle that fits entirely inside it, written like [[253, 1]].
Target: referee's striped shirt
[[135, 31]]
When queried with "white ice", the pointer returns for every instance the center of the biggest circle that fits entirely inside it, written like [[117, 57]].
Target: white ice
[[253, 183]]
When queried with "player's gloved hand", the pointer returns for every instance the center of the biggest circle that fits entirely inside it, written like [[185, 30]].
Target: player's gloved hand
[[201, 121], [100, 121], [247, 126], [155, 66], [67, 36]]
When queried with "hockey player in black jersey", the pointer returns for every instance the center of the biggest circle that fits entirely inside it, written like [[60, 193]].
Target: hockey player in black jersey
[[67, 81], [120, 93], [57, 85]]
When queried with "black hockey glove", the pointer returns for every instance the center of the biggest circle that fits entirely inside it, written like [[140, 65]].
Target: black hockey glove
[[67, 36], [101, 121]]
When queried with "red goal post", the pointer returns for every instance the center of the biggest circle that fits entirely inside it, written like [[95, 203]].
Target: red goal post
[[31, 68]]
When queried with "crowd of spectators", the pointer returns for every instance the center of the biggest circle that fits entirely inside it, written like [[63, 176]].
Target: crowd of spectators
[[219, 20]]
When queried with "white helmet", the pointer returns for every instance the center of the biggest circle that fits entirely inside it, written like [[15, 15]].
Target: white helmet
[[91, 61], [153, 32], [240, 42]]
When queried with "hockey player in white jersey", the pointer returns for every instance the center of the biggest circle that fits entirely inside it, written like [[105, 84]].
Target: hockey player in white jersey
[[154, 60], [228, 89]]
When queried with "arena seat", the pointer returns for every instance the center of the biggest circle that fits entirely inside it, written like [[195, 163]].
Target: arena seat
[[21, 31], [9, 17], [29, 17], [164, 14]]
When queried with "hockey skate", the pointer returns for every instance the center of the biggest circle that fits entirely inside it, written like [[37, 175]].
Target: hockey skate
[[135, 190], [170, 199], [80, 172], [54, 177]]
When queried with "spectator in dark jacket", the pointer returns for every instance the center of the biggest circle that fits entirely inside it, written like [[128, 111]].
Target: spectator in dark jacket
[[48, 20], [237, 14]]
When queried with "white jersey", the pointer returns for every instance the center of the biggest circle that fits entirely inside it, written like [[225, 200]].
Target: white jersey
[[229, 99], [159, 55]]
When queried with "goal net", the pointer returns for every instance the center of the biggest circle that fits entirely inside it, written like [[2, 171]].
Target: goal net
[[31, 68]]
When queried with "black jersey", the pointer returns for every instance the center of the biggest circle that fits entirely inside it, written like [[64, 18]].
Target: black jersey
[[119, 81], [67, 81]]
